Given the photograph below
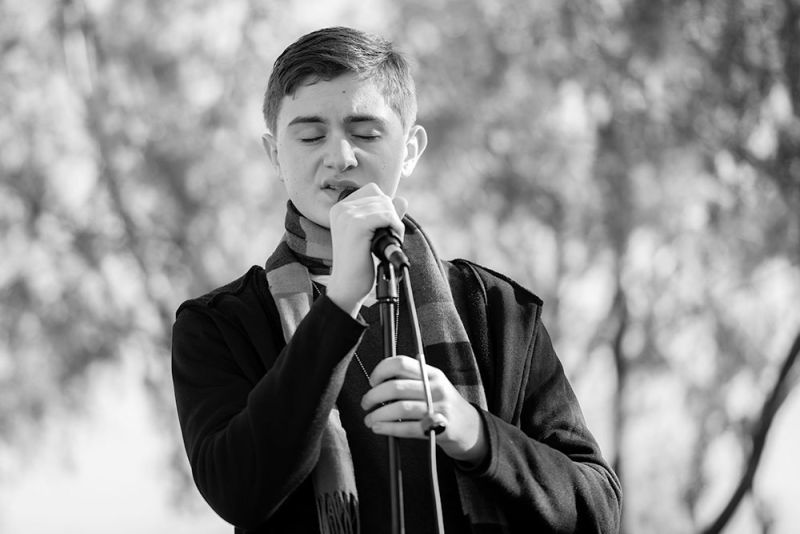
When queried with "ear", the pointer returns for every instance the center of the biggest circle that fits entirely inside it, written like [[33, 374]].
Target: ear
[[270, 144], [416, 141]]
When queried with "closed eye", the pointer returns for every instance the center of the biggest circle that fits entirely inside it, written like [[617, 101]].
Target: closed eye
[[370, 137]]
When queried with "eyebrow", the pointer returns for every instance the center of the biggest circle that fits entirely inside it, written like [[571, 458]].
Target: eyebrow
[[351, 119], [307, 119], [364, 118]]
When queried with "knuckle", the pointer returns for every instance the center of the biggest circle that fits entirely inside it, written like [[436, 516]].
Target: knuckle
[[404, 387], [411, 365], [436, 373]]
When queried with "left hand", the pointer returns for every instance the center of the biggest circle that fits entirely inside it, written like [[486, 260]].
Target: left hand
[[397, 384]]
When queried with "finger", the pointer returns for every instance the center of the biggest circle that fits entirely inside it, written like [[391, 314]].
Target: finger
[[380, 207], [400, 206], [399, 429], [392, 390], [395, 207], [394, 368], [377, 211], [405, 410]]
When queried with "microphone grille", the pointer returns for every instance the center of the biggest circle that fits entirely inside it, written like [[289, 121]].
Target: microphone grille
[[346, 192]]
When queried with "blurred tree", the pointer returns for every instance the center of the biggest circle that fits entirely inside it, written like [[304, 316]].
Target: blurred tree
[[653, 147], [129, 166], [633, 162]]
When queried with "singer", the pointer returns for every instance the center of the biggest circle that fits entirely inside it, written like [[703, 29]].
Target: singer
[[283, 396]]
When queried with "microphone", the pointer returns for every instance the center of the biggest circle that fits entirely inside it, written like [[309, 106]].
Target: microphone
[[386, 244]]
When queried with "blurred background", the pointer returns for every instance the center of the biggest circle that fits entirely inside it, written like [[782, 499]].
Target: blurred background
[[633, 162]]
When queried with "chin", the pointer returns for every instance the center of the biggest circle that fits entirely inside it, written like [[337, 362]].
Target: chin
[[323, 221]]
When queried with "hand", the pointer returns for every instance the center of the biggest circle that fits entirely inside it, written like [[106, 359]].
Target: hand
[[353, 222], [396, 406]]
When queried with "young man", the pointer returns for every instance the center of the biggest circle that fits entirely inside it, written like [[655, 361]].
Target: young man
[[283, 397]]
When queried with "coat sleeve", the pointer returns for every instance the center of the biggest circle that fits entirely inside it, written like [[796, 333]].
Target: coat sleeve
[[543, 461], [252, 438]]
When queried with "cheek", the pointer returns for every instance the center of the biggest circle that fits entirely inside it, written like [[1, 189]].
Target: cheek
[[291, 168], [391, 160], [394, 168]]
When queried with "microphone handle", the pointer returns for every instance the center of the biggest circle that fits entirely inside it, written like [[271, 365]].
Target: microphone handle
[[386, 246]]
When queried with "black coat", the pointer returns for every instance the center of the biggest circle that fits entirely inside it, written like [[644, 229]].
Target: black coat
[[252, 408]]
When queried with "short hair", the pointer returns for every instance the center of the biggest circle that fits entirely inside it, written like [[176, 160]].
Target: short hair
[[331, 52]]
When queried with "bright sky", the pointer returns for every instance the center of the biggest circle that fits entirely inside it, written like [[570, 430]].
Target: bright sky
[[103, 474]]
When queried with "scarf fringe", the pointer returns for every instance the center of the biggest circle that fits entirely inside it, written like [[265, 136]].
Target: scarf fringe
[[338, 513]]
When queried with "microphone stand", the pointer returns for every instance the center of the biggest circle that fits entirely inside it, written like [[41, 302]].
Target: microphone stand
[[387, 293]]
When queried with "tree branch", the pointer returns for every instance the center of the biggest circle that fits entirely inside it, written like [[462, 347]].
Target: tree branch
[[620, 309], [783, 385]]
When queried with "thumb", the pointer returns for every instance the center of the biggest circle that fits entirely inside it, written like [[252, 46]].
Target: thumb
[[400, 206]]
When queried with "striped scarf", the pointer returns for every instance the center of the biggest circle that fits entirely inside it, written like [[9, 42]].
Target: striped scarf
[[305, 250]]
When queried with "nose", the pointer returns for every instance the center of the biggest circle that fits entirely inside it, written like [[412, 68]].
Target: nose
[[340, 155]]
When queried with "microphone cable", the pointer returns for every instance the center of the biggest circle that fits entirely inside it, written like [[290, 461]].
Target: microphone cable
[[432, 423]]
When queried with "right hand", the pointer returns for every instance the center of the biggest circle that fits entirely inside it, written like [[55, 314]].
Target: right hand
[[353, 222]]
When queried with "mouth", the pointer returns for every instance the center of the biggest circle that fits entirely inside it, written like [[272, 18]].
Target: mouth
[[340, 189]]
